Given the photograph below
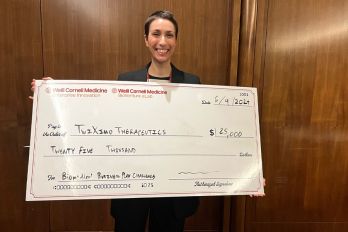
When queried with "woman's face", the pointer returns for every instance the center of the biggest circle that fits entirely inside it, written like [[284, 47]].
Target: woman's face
[[161, 40]]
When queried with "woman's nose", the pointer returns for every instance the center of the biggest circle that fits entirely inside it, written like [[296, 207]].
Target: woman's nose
[[162, 39]]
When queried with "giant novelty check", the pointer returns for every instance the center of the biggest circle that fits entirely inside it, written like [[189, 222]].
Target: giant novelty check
[[110, 139]]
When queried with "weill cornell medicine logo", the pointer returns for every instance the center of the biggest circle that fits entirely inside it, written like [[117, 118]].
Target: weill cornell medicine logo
[[76, 91], [138, 92]]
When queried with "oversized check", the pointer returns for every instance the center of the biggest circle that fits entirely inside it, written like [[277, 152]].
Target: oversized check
[[111, 139]]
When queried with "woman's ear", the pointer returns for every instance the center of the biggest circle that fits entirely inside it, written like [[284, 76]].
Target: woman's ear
[[146, 42]]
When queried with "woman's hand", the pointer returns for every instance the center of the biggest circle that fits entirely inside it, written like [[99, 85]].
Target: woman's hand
[[260, 195], [33, 84]]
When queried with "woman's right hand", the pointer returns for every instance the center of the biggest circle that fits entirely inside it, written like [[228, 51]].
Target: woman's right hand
[[33, 84]]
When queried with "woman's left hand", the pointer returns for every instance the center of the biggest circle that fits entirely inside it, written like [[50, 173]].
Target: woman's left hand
[[260, 195]]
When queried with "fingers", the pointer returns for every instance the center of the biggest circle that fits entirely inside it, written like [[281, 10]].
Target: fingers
[[32, 88], [262, 194], [32, 84], [258, 195]]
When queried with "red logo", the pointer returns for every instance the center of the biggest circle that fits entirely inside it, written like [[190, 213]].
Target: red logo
[[114, 90]]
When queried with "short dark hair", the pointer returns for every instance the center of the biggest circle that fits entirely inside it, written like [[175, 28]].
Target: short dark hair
[[161, 14]]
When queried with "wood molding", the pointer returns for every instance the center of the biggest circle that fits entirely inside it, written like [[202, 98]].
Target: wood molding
[[235, 9], [247, 42]]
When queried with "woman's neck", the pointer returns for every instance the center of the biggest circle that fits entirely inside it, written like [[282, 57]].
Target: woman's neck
[[160, 69]]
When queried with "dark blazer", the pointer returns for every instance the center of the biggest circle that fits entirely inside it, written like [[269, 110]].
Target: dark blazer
[[178, 76], [182, 206]]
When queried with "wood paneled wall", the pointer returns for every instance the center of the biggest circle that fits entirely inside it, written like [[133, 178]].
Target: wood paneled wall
[[20, 60], [300, 65], [94, 39], [295, 52], [98, 39]]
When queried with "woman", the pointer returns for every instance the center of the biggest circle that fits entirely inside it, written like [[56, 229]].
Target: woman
[[165, 214]]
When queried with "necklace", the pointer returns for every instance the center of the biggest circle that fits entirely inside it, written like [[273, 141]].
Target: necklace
[[158, 78]]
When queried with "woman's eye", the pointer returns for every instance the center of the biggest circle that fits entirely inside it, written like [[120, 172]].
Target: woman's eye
[[156, 34]]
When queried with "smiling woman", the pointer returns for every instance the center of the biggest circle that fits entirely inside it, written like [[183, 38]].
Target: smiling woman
[[160, 34], [165, 214]]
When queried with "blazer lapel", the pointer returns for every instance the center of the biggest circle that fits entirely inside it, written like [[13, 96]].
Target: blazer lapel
[[142, 75], [178, 75]]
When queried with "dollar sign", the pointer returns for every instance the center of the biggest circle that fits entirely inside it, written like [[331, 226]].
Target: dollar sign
[[212, 132]]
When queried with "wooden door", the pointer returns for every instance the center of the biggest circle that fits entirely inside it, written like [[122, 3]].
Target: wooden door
[[20, 61], [299, 63], [93, 39]]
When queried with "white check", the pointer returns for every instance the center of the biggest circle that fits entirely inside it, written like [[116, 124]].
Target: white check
[[110, 139]]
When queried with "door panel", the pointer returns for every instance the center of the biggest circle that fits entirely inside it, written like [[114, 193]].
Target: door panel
[[304, 133], [20, 61], [91, 39]]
